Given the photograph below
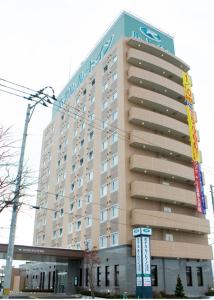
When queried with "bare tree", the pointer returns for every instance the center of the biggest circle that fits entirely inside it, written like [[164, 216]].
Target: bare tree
[[8, 175], [91, 259]]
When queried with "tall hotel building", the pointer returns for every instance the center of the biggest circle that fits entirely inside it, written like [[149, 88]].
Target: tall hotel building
[[121, 152]]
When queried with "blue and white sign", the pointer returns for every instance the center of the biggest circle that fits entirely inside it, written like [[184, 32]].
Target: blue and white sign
[[125, 26], [150, 35], [143, 263], [146, 231], [146, 255], [139, 261]]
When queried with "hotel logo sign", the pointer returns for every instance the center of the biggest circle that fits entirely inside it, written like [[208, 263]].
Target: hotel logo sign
[[151, 35]]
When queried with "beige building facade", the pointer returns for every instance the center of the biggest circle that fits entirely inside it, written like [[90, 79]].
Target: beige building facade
[[117, 155]]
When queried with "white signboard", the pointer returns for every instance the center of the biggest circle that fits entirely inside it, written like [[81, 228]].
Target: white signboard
[[146, 255], [139, 261], [147, 281]]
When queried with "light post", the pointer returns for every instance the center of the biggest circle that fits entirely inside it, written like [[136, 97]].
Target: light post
[[41, 98]]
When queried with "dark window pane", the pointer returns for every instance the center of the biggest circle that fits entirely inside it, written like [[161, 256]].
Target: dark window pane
[[107, 275], [98, 276], [154, 272], [199, 276], [189, 276], [116, 275]]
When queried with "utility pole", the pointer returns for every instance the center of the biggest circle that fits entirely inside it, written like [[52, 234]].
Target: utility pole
[[212, 196], [10, 249]]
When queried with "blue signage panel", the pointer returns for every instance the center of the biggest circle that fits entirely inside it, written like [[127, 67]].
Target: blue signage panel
[[139, 30], [125, 26]]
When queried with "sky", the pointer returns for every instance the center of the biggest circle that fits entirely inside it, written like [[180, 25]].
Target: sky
[[43, 42]]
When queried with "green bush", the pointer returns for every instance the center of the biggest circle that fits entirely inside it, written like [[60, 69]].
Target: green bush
[[179, 290]]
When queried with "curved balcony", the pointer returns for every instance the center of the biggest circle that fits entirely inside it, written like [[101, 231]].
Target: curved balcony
[[178, 250], [161, 123], [155, 83], [160, 219], [160, 192], [161, 167], [155, 64], [159, 52], [160, 144], [160, 103]]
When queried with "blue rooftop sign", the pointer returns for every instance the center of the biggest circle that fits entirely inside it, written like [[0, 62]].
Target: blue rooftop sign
[[125, 26]]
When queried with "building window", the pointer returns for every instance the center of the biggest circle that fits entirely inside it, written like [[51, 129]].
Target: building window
[[114, 77], [88, 221], [104, 145], [116, 275], [92, 99], [93, 82], [90, 175], [103, 241], [114, 160], [114, 185], [54, 215], [73, 167], [105, 86], [114, 59], [91, 117], [114, 96], [84, 92], [90, 155], [71, 206], [114, 115], [89, 197], [84, 108], [88, 244], [79, 203], [98, 276], [103, 190], [54, 234], [72, 186], [114, 137], [60, 232], [169, 237], [167, 209], [78, 225], [104, 105], [91, 135], [114, 211], [189, 276], [199, 276], [80, 277], [103, 215], [107, 282], [78, 246], [104, 166], [105, 68], [61, 212], [114, 239], [86, 277], [81, 161], [81, 143], [104, 124], [80, 182], [154, 273], [82, 125]]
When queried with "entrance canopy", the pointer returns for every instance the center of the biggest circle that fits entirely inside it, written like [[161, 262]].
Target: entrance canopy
[[45, 254]]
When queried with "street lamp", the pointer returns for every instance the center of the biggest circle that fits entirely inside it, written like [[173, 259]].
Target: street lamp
[[40, 97]]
